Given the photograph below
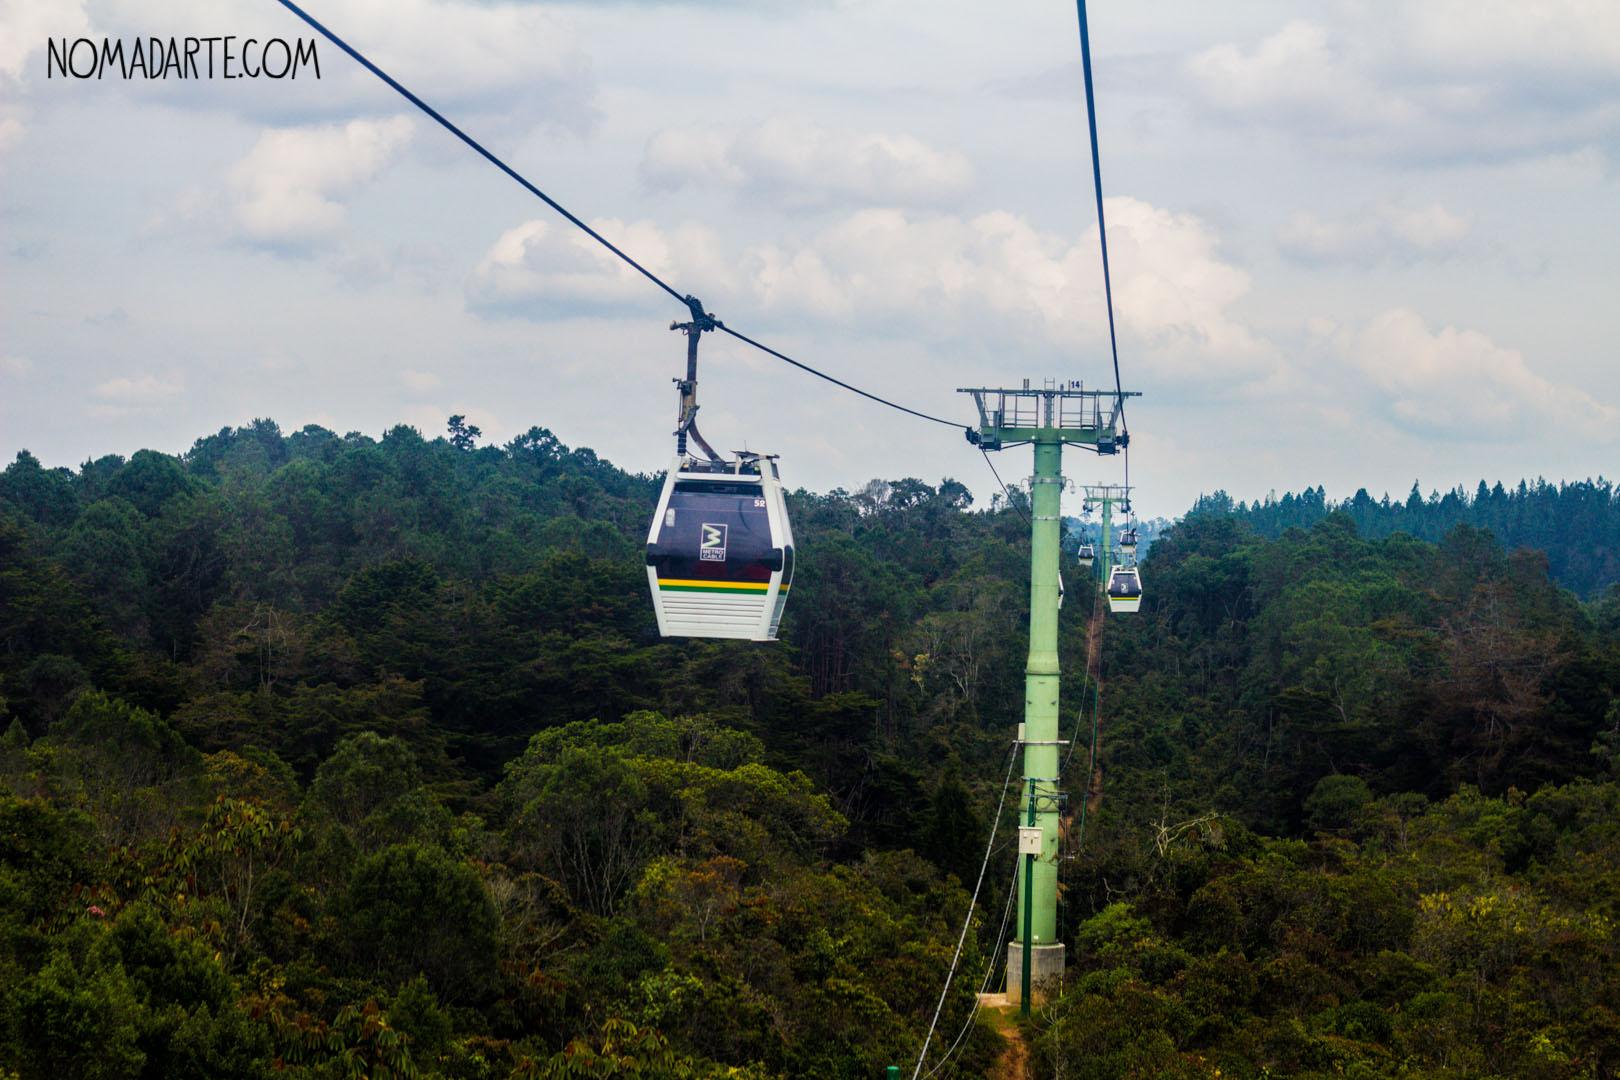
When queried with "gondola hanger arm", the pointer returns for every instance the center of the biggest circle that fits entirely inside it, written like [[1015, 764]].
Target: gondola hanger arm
[[686, 415]]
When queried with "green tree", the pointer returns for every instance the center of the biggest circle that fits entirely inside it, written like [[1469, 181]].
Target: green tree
[[72, 1017], [44, 849], [132, 769], [231, 856], [412, 909], [43, 495], [107, 549], [950, 838], [371, 789], [1336, 801], [586, 816], [463, 436], [150, 480]]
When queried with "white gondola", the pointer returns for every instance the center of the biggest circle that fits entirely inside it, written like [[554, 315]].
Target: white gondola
[[1088, 555], [1127, 540], [720, 550], [1124, 589]]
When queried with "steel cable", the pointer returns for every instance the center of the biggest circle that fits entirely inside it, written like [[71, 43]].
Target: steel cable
[[967, 920], [684, 298], [1102, 227]]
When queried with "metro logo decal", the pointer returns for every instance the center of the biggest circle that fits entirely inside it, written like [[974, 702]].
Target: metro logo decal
[[712, 546]]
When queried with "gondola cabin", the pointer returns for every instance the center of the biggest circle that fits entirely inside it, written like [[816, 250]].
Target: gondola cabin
[[1127, 541], [720, 550], [1088, 555], [1124, 589]]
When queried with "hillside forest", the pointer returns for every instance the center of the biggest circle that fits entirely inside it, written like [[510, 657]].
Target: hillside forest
[[329, 756], [1577, 525]]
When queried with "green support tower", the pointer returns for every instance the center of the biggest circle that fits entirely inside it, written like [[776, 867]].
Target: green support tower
[[1105, 496], [1047, 417]]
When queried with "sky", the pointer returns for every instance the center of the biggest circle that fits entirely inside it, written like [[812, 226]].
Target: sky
[[1354, 244]]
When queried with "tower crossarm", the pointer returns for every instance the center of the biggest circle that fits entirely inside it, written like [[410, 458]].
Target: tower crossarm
[[1066, 411]]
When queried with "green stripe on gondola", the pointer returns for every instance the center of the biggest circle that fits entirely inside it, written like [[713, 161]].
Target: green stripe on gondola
[[746, 588]]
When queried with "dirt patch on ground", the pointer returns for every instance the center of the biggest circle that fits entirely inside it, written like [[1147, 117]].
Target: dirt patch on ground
[[1094, 633], [1003, 1016]]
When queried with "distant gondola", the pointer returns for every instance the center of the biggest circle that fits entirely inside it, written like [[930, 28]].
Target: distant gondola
[[1124, 589], [1088, 554], [720, 550], [1127, 540]]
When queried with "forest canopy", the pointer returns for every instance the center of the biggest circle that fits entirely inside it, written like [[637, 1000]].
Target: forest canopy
[[327, 755]]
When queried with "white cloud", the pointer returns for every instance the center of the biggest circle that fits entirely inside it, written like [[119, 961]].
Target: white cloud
[[1173, 287], [1551, 35], [1303, 72], [942, 276], [16, 367], [1376, 232], [25, 26], [1437, 81], [286, 190], [429, 420], [795, 162], [540, 268], [146, 389], [933, 278], [1459, 384], [700, 156], [516, 59], [420, 381]]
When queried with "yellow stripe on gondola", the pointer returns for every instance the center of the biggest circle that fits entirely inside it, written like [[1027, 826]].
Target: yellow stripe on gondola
[[685, 585], [714, 586]]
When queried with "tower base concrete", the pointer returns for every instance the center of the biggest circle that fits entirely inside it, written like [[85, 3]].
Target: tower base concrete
[[1046, 965]]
